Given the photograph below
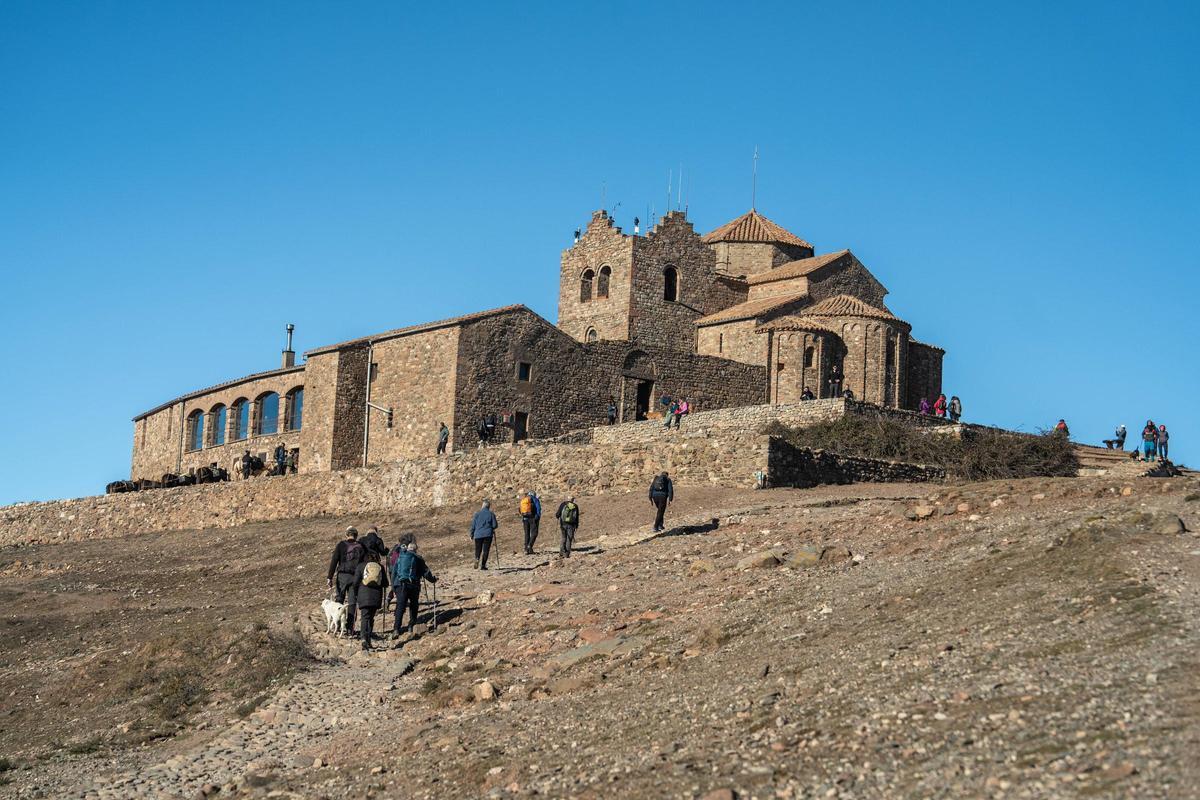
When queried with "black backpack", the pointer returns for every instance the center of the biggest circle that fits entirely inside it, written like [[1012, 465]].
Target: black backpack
[[351, 558], [660, 485]]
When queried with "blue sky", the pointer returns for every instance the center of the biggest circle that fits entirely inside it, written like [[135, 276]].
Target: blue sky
[[182, 179]]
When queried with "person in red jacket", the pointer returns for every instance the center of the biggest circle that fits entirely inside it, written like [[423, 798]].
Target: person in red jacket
[[939, 406]]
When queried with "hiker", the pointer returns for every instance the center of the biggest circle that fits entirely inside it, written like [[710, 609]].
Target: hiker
[[1120, 435], [1061, 428], [343, 565], [681, 408], [848, 393], [807, 394], [280, 459], [612, 411], [939, 406], [406, 574], [1149, 441], [1162, 442], [247, 460], [924, 407], [483, 531], [662, 492], [568, 523], [482, 430], [443, 439], [393, 554], [955, 409], [531, 517], [289, 463], [669, 414], [370, 587], [372, 542], [489, 422]]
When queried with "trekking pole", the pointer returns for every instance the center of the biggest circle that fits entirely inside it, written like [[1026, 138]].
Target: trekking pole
[[435, 610], [496, 547]]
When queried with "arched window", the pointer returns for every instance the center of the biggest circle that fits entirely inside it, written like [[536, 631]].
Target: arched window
[[266, 416], [602, 282], [671, 284], [217, 419], [241, 419], [195, 430], [591, 335], [585, 286], [810, 357], [295, 409]]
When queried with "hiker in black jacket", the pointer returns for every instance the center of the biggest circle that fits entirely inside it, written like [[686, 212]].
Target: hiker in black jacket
[[662, 492], [407, 573], [370, 587], [568, 521], [343, 565]]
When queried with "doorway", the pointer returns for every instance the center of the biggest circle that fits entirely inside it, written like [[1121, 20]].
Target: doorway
[[520, 426], [645, 395]]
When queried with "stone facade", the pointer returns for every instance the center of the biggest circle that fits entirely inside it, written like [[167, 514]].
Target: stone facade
[[742, 316]]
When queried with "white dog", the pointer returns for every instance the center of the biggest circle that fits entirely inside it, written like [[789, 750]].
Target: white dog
[[335, 616]]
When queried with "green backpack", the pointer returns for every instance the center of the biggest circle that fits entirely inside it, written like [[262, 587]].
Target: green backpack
[[570, 514]]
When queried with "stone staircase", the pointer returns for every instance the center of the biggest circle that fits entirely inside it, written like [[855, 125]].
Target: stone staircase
[[1095, 461]]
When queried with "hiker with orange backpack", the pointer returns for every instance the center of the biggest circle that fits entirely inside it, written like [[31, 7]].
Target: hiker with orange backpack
[[531, 517]]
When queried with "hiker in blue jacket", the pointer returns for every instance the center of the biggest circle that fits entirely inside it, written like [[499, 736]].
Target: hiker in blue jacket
[[483, 531], [407, 574]]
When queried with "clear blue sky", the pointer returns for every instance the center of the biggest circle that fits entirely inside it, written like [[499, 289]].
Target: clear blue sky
[[179, 180]]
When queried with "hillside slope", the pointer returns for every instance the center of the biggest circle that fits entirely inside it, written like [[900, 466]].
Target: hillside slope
[[1032, 638]]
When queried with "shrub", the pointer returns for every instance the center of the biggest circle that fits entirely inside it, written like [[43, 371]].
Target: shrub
[[980, 454]]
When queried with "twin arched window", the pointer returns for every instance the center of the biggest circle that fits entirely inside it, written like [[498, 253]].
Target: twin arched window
[[585, 286], [266, 414], [217, 419], [195, 430], [671, 285], [602, 282], [591, 335], [295, 409]]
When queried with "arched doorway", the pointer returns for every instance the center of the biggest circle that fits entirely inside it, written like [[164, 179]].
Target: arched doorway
[[638, 376]]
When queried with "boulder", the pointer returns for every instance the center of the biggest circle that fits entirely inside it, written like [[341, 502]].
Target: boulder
[[835, 553], [591, 635], [484, 691], [767, 558], [807, 556], [701, 566]]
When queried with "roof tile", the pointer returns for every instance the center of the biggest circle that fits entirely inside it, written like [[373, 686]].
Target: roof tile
[[750, 309], [795, 269], [753, 227]]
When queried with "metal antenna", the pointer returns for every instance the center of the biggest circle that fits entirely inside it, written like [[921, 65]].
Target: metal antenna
[[603, 193], [670, 177], [679, 190], [754, 180]]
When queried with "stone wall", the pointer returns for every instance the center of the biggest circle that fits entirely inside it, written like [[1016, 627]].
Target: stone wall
[[924, 373], [160, 444], [602, 245], [653, 319], [749, 419], [847, 275], [415, 376], [752, 258], [349, 406], [733, 340], [801, 468]]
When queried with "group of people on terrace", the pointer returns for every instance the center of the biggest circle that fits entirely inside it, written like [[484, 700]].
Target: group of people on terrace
[[941, 407], [1155, 441]]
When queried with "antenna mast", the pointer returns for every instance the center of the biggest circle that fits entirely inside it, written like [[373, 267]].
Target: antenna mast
[[754, 180]]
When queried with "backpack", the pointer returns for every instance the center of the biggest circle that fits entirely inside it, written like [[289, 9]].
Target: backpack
[[660, 485], [372, 574], [351, 558], [405, 568], [570, 514], [526, 505]]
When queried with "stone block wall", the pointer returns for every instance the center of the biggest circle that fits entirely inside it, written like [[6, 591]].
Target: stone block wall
[[924, 373], [415, 376], [802, 468], [349, 407], [752, 258], [847, 275], [733, 340], [670, 324], [743, 419], [602, 244], [160, 444]]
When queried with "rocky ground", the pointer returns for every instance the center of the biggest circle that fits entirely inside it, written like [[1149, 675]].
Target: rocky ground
[[1031, 638]]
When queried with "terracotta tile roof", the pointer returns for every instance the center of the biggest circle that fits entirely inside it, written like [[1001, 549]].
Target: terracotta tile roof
[[795, 269], [411, 329], [753, 227], [843, 305], [219, 386], [800, 323], [750, 309]]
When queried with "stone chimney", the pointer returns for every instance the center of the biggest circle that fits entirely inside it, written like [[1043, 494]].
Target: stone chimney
[[289, 355]]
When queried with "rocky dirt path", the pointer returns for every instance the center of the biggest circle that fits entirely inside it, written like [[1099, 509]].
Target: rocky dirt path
[[348, 688]]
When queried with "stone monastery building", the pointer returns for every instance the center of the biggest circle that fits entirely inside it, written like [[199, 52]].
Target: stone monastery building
[[744, 315]]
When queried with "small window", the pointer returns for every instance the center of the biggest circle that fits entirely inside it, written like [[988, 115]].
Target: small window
[[195, 430], [266, 420], [241, 420], [671, 285], [810, 357], [585, 286], [524, 370], [602, 282], [217, 419], [591, 335], [295, 409], [720, 343]]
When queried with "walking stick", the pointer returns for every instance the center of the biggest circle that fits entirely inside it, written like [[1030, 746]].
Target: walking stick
[[496, 547]]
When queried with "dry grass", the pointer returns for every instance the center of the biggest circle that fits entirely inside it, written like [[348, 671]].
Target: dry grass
[[979, 455]]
